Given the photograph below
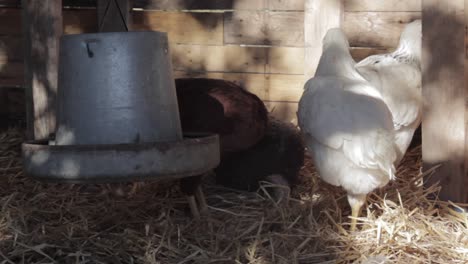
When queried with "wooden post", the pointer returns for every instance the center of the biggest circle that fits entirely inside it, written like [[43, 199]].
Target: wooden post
[[444, 85], [319, 16], [466, 101], [42, 28], [113, 15]]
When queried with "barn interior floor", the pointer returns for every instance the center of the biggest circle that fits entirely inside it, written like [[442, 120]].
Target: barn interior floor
[[60, 223]]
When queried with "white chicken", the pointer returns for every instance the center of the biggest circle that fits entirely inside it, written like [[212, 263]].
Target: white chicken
[[346, 125], [397, 76]]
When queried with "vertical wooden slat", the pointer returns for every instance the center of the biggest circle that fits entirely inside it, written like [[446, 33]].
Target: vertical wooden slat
[[443, 125], [113, 15], [42, 28], [319, 16], [466, 98]]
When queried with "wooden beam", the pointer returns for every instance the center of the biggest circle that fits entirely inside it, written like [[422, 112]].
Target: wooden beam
[[113, 15], [376, 29], [466, 99], [443, 125], [42, 28], [319, 17], [279, 28], [384, 6]]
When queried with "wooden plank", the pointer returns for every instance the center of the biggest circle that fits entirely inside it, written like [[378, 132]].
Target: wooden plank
[[319, 17], [278, 60], [218, 58], [74, 22], [10, 3], [283, 87], [383, 6], [288, 60], [443, 130], [290, 5], [11, 48], [277, 5], [42, 28], [264, 28], [113, 15], [466, 96], [376, 29], [10, 22], [182, 27], [233, 58], [200, 4]]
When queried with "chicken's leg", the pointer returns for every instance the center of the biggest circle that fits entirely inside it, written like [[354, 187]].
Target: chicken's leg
[[356, 201], [201, 199], [190, 186], [193, 206]]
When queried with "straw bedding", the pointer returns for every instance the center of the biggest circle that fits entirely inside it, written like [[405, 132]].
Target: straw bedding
[[59, 223]]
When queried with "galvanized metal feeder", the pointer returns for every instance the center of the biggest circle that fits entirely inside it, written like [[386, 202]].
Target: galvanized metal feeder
[[117, 116]]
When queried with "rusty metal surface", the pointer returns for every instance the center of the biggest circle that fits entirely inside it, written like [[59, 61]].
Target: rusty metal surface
[[193, 155]]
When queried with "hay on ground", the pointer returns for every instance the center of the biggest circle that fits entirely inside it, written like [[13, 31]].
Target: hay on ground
[[60, 223]]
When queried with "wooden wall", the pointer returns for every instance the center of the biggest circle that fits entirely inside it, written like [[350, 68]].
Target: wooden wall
[[257, 43]]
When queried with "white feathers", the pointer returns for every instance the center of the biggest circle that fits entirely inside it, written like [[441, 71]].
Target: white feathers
[[397, 76], [346, 125]]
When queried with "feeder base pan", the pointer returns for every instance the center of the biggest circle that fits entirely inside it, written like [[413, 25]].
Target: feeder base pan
[[194, 155]]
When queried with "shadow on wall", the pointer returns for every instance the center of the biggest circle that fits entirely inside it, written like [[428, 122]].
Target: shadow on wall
[[444, 99], [210, 61], [246, 66]]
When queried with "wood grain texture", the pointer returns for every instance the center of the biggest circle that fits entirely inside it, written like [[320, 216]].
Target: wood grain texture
[[289, 60], [284, 87], [290, 5], [42, 28], [383, 6], [264, 28], [294, 5], [191, 58], [277, 5], [232, 58], [376, 29], [466, 96], [443, 125], [173, 5], [319, 17], [220, 58], [200, 4], [182, 27]]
